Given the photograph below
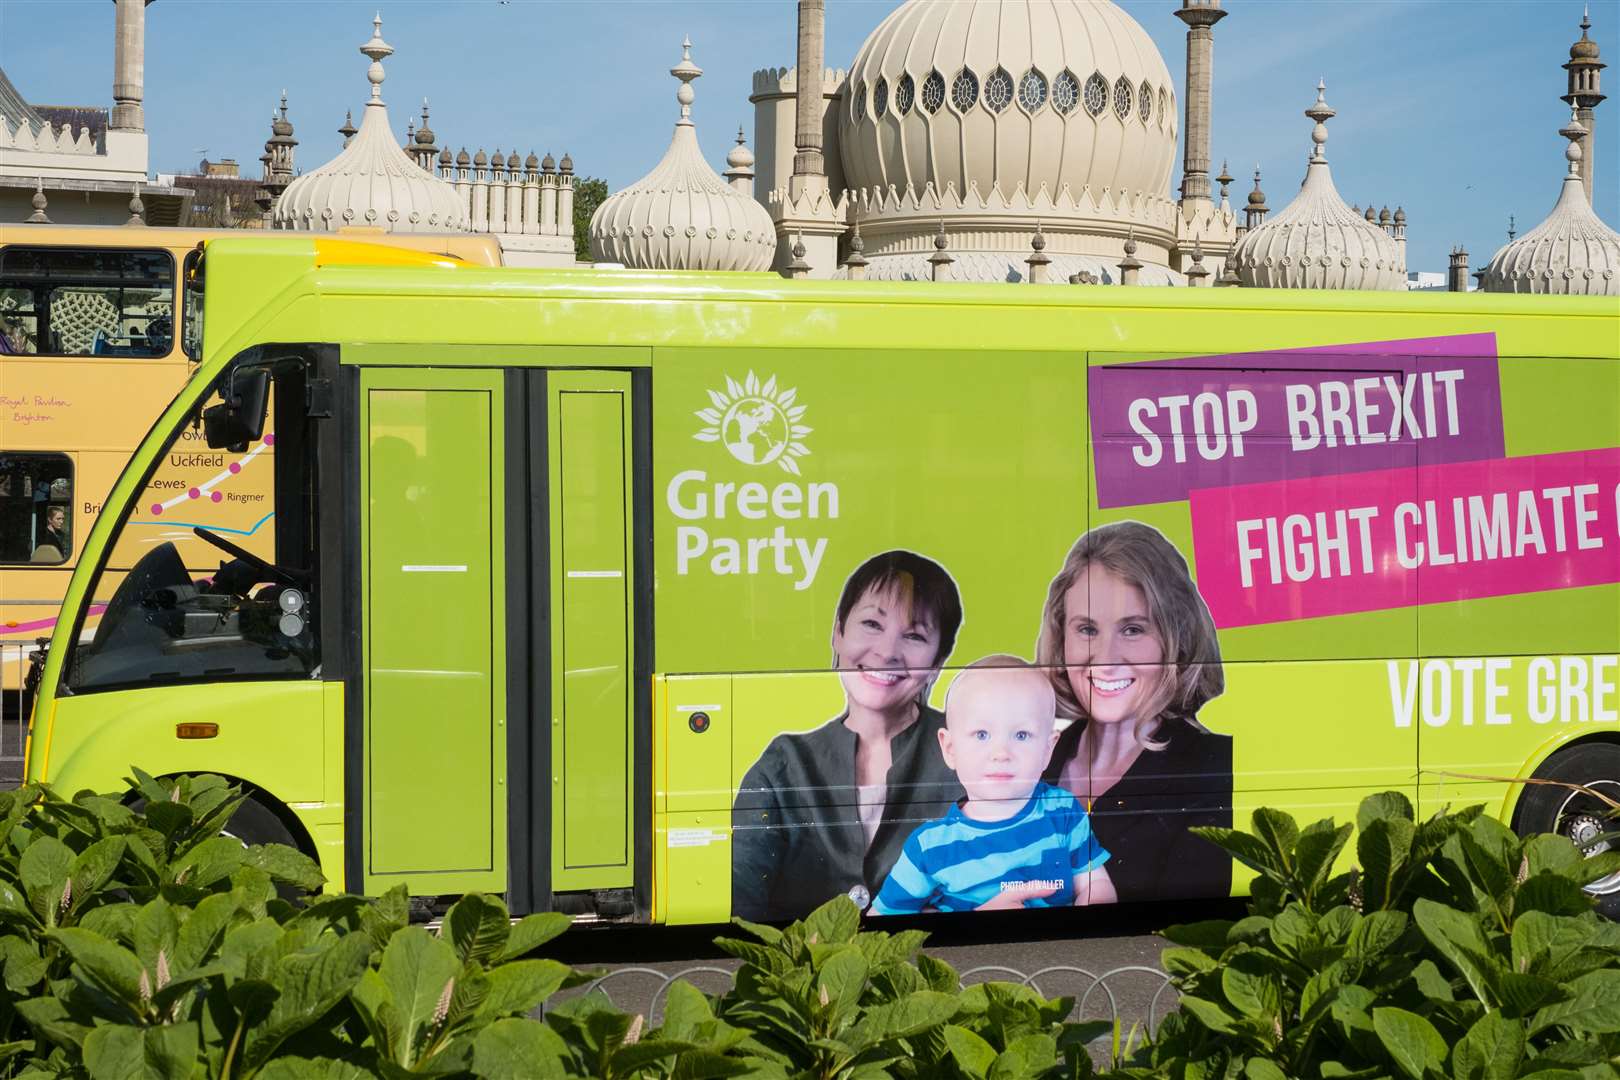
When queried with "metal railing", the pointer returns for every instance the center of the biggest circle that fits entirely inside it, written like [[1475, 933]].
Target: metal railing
[[14, 657], [1134, 998]]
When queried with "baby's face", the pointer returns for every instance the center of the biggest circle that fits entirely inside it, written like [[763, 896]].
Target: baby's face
[[998, 733]]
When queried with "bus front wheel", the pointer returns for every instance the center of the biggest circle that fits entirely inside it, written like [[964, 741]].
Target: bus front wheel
[[255, 823], [1578, 815]]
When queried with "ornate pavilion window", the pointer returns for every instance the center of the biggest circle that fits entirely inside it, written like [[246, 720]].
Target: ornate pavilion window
[[933, 92], [964, 90], [1065, 92], [905, 93], [1145, 101], [1032, 90], [860, 103], [880, 98], [998, 90], [1096, 94], [1122, 98]]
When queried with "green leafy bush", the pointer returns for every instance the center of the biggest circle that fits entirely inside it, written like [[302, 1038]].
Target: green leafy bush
[[1457, 951], [138, 941]]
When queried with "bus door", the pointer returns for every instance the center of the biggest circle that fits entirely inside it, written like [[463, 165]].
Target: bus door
[[590, 565], [432, 737]]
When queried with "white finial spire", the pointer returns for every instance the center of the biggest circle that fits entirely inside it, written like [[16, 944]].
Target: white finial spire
[[376, 49], [686, 71], [1574, 131], [1320, 112]]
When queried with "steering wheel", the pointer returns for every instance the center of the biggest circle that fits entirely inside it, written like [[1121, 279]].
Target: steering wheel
[[272, 571]]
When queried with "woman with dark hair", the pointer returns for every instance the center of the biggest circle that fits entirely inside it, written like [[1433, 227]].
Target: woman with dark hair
[[1132, 654], [826, 811]]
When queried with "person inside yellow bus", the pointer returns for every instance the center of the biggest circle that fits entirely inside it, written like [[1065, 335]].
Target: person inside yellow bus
[[54, 534], [13, 338]]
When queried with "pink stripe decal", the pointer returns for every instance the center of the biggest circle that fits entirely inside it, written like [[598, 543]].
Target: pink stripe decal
[[1331, 545], [41, 624]]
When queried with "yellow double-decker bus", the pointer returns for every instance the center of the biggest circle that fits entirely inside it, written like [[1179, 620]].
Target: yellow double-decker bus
[[99, 328]]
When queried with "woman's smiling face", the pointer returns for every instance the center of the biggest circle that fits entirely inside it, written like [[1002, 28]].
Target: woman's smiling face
[[1112, 648], [885, 654]]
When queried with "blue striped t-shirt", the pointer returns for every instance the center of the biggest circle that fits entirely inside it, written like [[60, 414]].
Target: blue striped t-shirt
[[957, 863]]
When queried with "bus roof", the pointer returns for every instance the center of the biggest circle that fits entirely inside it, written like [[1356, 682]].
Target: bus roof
[[468, 247], [372, 303]]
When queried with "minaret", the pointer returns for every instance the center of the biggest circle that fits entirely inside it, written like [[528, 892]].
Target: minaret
[[1200, 17], [1457, 272], [1584, 68], [809, 167], [740, 166], [1255, 213], [129, 66]]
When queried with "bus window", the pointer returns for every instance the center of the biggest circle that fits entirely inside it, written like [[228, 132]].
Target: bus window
[[246, 608], [88, 301], [36, 508], [191, 310]]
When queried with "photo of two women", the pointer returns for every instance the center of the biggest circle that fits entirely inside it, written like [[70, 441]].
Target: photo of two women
[[1069, 780]]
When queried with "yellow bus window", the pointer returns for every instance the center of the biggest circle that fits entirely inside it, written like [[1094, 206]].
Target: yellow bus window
[[36, 508], [86, 302]]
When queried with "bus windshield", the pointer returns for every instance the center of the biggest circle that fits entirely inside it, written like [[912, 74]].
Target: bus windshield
[[211, 573]]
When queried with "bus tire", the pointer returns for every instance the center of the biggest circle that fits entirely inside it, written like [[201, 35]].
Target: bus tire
[[1575, 814], [255, 823]]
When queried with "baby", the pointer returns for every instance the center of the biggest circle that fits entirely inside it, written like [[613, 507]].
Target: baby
[[1013, 841]]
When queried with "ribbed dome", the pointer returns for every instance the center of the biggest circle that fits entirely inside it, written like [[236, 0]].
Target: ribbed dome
[[1015, 92], [1572, 251], [1316, 241], [682, 216], [373, 181]]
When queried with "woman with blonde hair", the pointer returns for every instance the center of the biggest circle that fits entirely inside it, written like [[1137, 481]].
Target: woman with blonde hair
[[1132, 654]]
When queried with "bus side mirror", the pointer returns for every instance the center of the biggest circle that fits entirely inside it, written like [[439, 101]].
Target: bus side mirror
[[239, 419]]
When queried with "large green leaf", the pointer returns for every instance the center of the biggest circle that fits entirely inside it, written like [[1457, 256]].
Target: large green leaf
[[94, 866], [833, 923], [1383, 806], [1552, 893], [842, 979], [522, 986], [1460, 940], [310, 984], [111, 967], [1592, 1009], [1491, 1050], [417, 969], [1411, 1042], [478, 927], [115, 1052], [533, 931], [44, 870], [1374, 934], [970, 1052], [288, 866], [303, 1068], [1382, 849]]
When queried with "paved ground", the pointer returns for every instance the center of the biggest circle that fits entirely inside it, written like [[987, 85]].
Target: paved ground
[[1085, 954]]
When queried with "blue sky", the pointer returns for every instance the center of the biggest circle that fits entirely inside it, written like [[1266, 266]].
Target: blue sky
[[1447, 107]]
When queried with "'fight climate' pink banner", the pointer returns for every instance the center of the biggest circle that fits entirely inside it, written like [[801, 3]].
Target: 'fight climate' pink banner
[[1331, 545]]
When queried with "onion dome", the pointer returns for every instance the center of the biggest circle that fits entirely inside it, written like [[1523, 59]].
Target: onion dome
[[480, 159], [682, 215], [281, 128], [1316, 241], [462, 158], [424, 134], [373, 181], [740, 157], [498, 161], [1585, 48], [548, 163], [566, 165], [531, 162], [445, 160], [1572, 251], [1049, 93], [1257, 198]]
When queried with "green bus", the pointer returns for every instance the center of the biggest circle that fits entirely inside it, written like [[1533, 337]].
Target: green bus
[[666, 597]]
